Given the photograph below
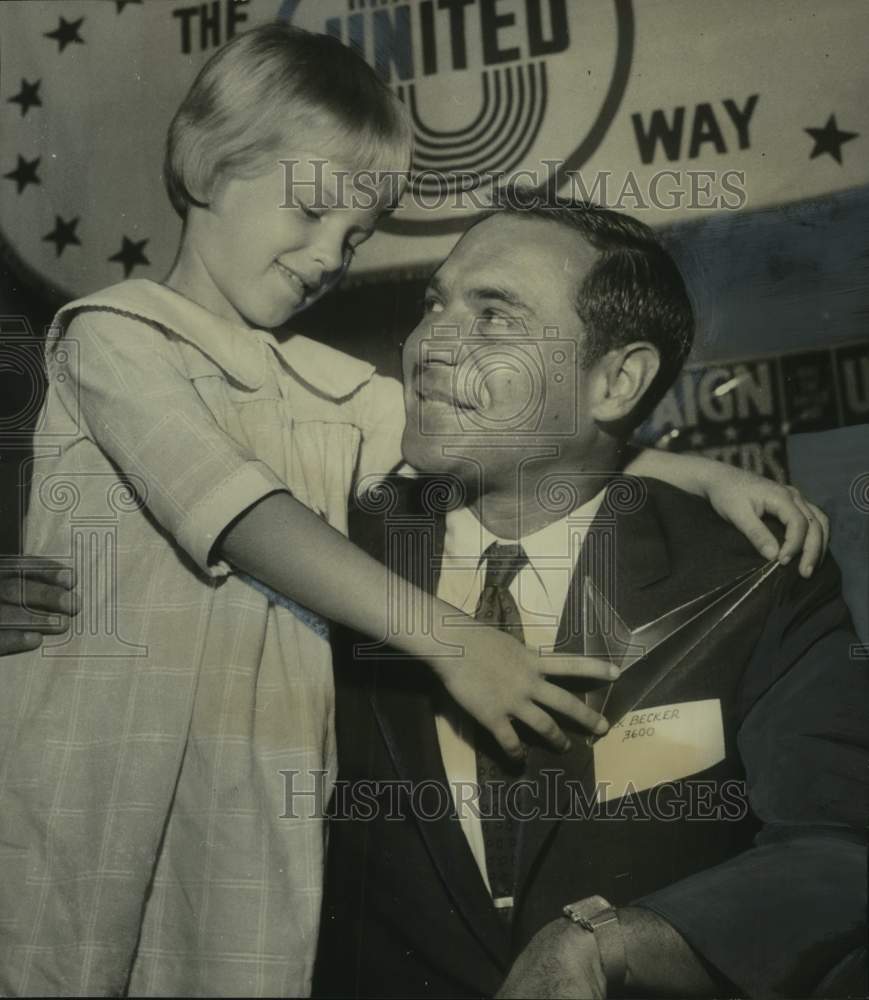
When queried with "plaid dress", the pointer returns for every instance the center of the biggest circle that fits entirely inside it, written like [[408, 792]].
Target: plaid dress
[[147, 843]]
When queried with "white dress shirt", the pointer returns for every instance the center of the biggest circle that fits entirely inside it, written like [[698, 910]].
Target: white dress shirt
[[540, 591]]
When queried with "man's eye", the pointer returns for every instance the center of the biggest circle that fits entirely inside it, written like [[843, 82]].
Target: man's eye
[[313, 213], [497, 320]]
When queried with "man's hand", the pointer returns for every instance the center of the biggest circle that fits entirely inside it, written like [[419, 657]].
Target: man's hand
[[661, 963], [561, 960], [31, 588]]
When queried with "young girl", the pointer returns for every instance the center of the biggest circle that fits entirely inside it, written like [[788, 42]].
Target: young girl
[[144, 842]]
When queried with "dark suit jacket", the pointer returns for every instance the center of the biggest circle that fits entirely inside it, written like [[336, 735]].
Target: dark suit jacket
[[773, 897]]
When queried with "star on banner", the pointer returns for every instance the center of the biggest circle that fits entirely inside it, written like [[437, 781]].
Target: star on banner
[[829, 139], [131, 254], [63, 234], [28, 97], [66, 33], [25, 173]]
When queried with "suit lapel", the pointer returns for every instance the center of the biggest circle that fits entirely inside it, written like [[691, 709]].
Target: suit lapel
[[405, 708], [658, 646], [624, 553]]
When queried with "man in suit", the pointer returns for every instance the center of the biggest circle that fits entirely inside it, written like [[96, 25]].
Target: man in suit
[[713, 842]]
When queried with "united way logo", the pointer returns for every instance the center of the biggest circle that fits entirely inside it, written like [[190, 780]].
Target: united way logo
[[496, 89], [88, 88]]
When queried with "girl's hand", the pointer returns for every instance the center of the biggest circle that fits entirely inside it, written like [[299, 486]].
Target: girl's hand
[[744, 498], [499, 681]]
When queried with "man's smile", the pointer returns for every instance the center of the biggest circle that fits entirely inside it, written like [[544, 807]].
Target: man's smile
[[430, 389], [443, 398]]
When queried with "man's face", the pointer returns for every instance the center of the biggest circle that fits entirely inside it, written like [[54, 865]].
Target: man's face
[[491, 372]]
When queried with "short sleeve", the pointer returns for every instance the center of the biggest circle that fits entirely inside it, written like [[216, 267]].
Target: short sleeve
[[380, 417], [133, 398]]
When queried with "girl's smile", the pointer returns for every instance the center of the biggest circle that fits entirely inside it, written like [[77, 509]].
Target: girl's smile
[[299, 286], [255, 255]]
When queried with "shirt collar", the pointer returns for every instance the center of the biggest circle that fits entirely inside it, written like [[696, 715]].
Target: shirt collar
[[466, 538]]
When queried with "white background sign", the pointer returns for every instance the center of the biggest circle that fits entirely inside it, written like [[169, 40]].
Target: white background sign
[[666, 108]]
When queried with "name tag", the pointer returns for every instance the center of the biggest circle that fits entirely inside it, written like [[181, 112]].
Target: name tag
[[649, 746]]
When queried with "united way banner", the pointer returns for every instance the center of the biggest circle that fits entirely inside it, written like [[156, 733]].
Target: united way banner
[[668, 109]]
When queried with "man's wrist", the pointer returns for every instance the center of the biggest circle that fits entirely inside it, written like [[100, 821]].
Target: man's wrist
[[585, 947], [601, 921]]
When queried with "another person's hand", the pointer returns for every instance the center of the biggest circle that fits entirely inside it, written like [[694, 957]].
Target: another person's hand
[[499, 681], [31, 588], [561, 960], [744, 498]]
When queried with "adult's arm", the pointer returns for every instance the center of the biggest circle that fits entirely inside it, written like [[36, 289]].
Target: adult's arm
[[779, 917]]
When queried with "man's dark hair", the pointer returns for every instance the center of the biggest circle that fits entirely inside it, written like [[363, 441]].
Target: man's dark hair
[[634, 290]]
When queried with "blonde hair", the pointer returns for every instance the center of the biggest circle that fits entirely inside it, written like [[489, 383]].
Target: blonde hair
[[274, 86]]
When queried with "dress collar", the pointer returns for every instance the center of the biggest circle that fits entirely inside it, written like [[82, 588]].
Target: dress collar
[[241, 353]]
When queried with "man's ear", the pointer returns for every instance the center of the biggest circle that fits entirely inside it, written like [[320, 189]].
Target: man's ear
[[623, 377]]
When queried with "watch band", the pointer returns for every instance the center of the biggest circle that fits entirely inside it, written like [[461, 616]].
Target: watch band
[[595, 914]]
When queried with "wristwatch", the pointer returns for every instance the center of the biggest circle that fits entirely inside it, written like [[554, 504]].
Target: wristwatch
[[595, 914]]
